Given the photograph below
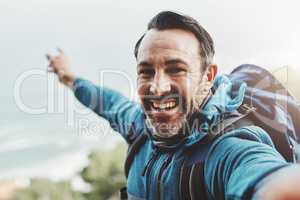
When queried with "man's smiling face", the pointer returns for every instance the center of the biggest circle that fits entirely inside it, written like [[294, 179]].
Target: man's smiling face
[[169, 78]]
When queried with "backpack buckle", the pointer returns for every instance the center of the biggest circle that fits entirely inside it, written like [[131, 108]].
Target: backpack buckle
[[246, 108]]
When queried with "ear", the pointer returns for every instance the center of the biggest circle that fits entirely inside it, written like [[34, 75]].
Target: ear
[[212, 72]]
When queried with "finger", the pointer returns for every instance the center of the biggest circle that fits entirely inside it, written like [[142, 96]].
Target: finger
[[51, 63], [60, 50], [49, 57], [52, 67]]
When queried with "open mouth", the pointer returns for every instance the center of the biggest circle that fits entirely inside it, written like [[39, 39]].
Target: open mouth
[[162, 104], [165, 105]]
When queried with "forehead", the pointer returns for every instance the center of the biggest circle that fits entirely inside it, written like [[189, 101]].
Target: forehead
[[168, 43]]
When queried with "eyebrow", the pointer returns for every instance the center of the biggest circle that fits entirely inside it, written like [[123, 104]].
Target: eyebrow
[[175, 61], [144, 64], [168, 62]]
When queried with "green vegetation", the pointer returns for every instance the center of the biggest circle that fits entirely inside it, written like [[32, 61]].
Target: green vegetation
[[104, 173], [42, 189]]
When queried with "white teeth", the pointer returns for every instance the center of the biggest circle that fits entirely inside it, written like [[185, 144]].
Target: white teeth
[[172, 104], [167, 105], [156, 105]]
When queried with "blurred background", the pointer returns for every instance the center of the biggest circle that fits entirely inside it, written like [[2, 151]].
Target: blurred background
[[53, 148]]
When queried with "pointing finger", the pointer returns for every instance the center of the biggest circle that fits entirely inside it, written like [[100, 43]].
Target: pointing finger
[[60, 50], [49, 57]]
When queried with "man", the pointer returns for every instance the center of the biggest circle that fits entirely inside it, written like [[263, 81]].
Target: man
[[177, 87]]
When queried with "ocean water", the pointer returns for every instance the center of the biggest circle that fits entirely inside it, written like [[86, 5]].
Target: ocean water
[[32, 145]]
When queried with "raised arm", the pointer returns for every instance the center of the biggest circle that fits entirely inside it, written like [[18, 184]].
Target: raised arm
[[121, 113]]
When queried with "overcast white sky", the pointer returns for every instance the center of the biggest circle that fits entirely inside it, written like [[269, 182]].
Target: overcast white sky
[[100, 34]]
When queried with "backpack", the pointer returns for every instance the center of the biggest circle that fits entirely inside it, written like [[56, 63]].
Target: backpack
[[277, 111], [267, 104]]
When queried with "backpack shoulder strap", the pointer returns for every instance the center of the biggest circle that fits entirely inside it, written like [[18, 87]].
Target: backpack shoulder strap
[[133, 149], [198, 179], [192, 179]]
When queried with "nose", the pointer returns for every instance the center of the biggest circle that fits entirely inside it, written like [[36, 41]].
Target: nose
[[160, 84]]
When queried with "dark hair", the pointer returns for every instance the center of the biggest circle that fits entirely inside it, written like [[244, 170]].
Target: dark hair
[[171, 20]]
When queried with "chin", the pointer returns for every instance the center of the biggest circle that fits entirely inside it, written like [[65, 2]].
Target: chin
[[166, 133], [166, 129]]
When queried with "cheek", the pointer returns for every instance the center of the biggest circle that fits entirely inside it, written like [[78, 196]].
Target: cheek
[[143, 91], [184, 86], [142, 95], [201, 93], [142, 87], [189, 88]]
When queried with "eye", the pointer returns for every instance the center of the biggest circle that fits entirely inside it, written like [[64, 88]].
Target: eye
[[175, 70], [146, 73]]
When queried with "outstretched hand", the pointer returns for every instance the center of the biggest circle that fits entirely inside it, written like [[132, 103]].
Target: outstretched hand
[[60, 65]]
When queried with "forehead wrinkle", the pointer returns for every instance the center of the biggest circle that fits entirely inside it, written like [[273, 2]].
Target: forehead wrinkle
[[171, 39], [165, 53]]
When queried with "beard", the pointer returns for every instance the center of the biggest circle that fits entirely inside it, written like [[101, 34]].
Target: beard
[[178, 127], [164, 129]]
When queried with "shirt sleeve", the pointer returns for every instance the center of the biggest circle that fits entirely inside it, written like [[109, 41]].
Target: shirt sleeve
[[238, 161], [123, 115]]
